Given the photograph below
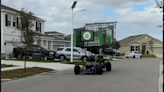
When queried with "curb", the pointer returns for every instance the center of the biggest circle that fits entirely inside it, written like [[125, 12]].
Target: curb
[[160, 80]]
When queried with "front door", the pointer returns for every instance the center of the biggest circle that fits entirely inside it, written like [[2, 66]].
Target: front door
[[143, 49]]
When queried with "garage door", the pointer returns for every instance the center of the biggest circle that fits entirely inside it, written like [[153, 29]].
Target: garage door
[[8, 48], [57, 46], [158, 50]]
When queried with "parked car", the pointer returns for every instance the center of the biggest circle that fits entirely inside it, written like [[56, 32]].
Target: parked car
[[133, 54], [64, 53], [116, 52], [19, 52]]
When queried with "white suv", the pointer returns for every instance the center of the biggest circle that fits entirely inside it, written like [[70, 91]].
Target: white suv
[[133, 54], [64, 53]]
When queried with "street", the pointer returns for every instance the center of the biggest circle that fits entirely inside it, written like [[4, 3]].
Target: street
[[127, 75]]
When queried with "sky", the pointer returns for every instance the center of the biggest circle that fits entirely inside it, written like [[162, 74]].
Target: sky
[[133, 16]]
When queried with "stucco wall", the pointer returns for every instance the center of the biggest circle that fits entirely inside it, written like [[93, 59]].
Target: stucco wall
[[144, 39], [124, 49]]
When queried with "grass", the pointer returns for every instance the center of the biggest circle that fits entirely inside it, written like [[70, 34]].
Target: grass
[[19, 73], [30, 60], [78, 63], [4, 65], [149, 56], [119, 57]]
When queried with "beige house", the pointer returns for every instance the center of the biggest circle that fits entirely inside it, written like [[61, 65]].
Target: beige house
[[143, 43]]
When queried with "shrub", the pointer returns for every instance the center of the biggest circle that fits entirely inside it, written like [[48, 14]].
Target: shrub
[[149, 56]]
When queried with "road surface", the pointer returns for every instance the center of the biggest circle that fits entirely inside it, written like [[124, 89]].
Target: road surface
[[127, 75]]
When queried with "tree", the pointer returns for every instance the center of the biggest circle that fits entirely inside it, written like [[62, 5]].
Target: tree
[[116, 45], [24, 26], [151, 46]]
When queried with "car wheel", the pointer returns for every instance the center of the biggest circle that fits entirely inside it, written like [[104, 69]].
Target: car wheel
[[45, 57], [108, 66], [67, 59], [20, 55], [84, 59], [62, 58], [134, 56], [141, 56], [77, 69], [126, 57]]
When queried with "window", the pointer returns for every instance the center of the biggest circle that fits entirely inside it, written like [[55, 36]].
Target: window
[[14, 21], [38, 26], [75, 50], [60, 49], [135, 48], [34, 47], [68, 49], [8, 20]]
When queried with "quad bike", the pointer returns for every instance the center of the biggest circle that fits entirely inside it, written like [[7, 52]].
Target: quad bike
[[94, 65]]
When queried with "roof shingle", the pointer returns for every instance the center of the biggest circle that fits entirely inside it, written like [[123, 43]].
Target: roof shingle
[[129, 39]]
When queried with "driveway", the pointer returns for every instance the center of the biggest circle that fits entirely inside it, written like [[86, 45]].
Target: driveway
[[127, 75]]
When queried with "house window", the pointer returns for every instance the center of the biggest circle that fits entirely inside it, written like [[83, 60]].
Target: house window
[[135, 48], [8, 20], [38, 26], [14, 21]]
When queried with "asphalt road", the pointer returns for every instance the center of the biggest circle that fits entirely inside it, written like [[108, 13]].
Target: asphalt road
[[127, 75]]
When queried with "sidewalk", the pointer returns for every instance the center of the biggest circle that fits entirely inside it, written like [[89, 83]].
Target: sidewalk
[[20, 64], [160, 80]]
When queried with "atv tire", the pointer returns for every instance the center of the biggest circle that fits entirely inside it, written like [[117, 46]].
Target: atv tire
[[77, 69], [108, 66], [99, 69]]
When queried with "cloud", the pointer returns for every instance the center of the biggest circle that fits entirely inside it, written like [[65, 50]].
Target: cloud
[[57, 13]]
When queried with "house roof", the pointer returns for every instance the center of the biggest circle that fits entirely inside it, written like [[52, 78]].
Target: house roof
[[56, 38], [68, 37], [53, 32], [130, 39], [14, 10], [8, 8]]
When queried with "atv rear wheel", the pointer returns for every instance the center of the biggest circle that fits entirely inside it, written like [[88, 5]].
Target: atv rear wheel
[[77, 69], [108, 66]]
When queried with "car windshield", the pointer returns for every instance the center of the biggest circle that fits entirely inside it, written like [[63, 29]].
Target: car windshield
[[43, 47], [129, 52]]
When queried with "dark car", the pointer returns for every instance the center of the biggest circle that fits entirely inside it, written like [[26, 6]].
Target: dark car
[[19, 52]]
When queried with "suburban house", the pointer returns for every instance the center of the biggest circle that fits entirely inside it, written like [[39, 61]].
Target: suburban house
[[143, 43], [10, 36], [67, 37]]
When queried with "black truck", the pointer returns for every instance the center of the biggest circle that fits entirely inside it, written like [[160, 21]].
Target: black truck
[[19, 52]]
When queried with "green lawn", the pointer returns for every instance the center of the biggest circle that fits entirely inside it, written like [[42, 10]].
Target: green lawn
[[18, 73], [149, 56], [119, 57], [4, 65], [78, 63]]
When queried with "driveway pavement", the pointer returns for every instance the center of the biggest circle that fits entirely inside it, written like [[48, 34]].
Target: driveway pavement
[[127, 75], [159, 56]]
